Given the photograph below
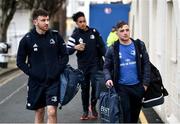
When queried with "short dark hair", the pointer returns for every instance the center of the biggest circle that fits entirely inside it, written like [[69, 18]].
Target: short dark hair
[[77, 15], [39, 12], [120, 24]]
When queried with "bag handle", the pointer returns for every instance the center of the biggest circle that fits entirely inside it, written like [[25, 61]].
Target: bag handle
[[111, 90]]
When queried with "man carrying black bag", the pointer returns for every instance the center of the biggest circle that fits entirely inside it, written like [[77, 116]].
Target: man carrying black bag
[[128, 71]]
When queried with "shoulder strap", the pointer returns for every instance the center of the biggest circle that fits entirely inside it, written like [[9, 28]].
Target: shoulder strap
[[99, 43]]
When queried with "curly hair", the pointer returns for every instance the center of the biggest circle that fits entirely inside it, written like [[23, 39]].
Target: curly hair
[[77, 15], [39, 12]]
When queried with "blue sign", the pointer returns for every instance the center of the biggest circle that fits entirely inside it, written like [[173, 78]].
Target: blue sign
[[104, 16]]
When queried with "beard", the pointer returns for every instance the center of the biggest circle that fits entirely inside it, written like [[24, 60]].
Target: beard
[[43, 28]]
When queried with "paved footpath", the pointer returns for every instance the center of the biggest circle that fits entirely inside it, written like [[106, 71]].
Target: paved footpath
[[13, 98]]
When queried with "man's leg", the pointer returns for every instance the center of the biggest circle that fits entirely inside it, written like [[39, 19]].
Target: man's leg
[[52, 114], [36, 100], [93, 97], [93, 93], [52, 100], [39, 115], [125, 103], [85, 87], [135, 101]]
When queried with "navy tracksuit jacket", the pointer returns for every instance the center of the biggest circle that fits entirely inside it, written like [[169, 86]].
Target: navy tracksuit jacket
[[42, 57]]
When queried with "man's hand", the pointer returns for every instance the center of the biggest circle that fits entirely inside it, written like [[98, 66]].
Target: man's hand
[[80, 47], [109, 83]]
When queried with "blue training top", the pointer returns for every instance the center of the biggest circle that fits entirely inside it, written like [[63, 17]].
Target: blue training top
[[128, 68]]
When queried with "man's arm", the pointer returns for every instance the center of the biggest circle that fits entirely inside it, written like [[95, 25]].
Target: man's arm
[[108, 64], [22, 55], [70, 45], [64, 58]]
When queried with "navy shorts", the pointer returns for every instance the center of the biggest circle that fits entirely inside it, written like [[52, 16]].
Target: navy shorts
[[40, 96]]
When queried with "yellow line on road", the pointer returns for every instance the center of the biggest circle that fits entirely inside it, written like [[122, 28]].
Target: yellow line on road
[[143, 118]]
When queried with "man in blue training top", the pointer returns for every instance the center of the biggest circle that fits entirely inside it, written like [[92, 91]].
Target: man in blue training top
[[128, 71], [42, 55]]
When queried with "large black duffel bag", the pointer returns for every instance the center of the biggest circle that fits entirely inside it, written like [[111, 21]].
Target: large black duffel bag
[[155, 93], [70, 81]]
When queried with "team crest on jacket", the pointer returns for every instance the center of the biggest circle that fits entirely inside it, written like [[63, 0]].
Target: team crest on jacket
[[35, 47], [52, 41], [54, 98], [92, 36], [80, 40]]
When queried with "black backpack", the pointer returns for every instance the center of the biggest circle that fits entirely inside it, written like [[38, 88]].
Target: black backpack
[[156, 91]]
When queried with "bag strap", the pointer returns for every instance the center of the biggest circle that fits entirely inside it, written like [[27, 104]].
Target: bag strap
[[111, 90], [99, 43]]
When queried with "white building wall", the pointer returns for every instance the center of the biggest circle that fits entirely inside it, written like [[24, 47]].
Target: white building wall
[[152, 23], [157, 23]]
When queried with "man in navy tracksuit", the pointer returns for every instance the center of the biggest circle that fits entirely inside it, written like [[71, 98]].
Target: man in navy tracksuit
[[88, 43], [42, 55], [128, 71]]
